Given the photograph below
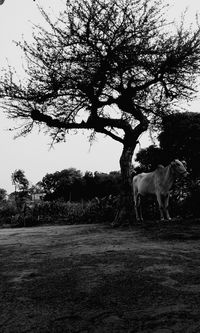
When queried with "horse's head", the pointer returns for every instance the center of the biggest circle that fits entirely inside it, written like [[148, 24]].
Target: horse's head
[[180, 167]]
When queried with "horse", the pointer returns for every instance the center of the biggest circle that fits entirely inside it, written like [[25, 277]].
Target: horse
[[159, 182]]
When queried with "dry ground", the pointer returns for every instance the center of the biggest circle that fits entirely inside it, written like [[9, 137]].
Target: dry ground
[[91, 278]]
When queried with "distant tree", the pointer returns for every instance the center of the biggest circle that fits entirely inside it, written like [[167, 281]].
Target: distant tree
[[19, 180], [65, 184], [180, 138], [107, 66], [3, 194], [101, 184], [149, 158], [106, 184], [49, 182], [70, 184], [21, 184], [36, 191], [89, 191], [37, 188], [116, 181]]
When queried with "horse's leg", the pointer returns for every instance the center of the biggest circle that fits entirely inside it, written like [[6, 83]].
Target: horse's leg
[[139, 206], [160, 204], [166, 204], [136, 206]]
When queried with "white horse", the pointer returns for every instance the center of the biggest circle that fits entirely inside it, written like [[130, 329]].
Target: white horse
[[159, 183]]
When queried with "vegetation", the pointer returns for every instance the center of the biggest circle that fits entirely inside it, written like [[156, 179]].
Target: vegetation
[[71, 197], [112, 67], [68, 197], [71, 185], [179, 137], [60, 212], [3, 194]]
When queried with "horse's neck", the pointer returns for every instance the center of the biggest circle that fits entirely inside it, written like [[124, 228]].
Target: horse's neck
[[168, 177]]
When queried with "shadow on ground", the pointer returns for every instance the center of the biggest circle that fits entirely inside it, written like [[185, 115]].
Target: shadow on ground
[[178, 230], [91, 278]]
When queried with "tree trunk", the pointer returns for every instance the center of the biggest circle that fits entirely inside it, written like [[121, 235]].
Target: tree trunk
[[125, 213]]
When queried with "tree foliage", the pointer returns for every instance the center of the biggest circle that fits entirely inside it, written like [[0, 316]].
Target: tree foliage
[[21, 184], [64, 184], [3, 194], [19, 180], [149, 158], [71, 185], [100, 54], [180, 138]]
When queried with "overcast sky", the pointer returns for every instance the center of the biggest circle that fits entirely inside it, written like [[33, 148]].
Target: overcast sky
[[32, 154]]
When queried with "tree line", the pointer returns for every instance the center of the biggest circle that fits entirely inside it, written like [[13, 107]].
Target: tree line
[[71, 185], [66, 185]]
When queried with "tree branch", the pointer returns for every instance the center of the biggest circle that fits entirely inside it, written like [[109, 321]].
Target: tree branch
[[113, 136], [98, 124]]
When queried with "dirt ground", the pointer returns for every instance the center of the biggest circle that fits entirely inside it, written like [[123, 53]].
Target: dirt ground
[[92, 278]]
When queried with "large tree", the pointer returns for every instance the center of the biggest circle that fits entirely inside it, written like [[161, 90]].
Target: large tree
[[110, 66]]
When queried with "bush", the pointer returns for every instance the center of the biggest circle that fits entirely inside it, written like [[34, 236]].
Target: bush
[[7, 211], [192, 202], [94, 211], [59, 212]]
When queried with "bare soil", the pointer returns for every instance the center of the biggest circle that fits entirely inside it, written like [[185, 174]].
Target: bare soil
[[92, 278]]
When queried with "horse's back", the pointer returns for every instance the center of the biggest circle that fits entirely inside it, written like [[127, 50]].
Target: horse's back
[[144, 183]]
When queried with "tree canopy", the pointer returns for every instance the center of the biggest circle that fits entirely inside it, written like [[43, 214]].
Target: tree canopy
[[180, 138], [3, 194], [102, 54], [71, 185], [149, 158], [19, 180], [63, 184]]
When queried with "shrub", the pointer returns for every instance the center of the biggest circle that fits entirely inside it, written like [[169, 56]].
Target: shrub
[[93, 211], [7, 211], [192, 202]]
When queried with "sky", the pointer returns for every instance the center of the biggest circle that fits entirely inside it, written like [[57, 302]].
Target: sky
[[32, 153]]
